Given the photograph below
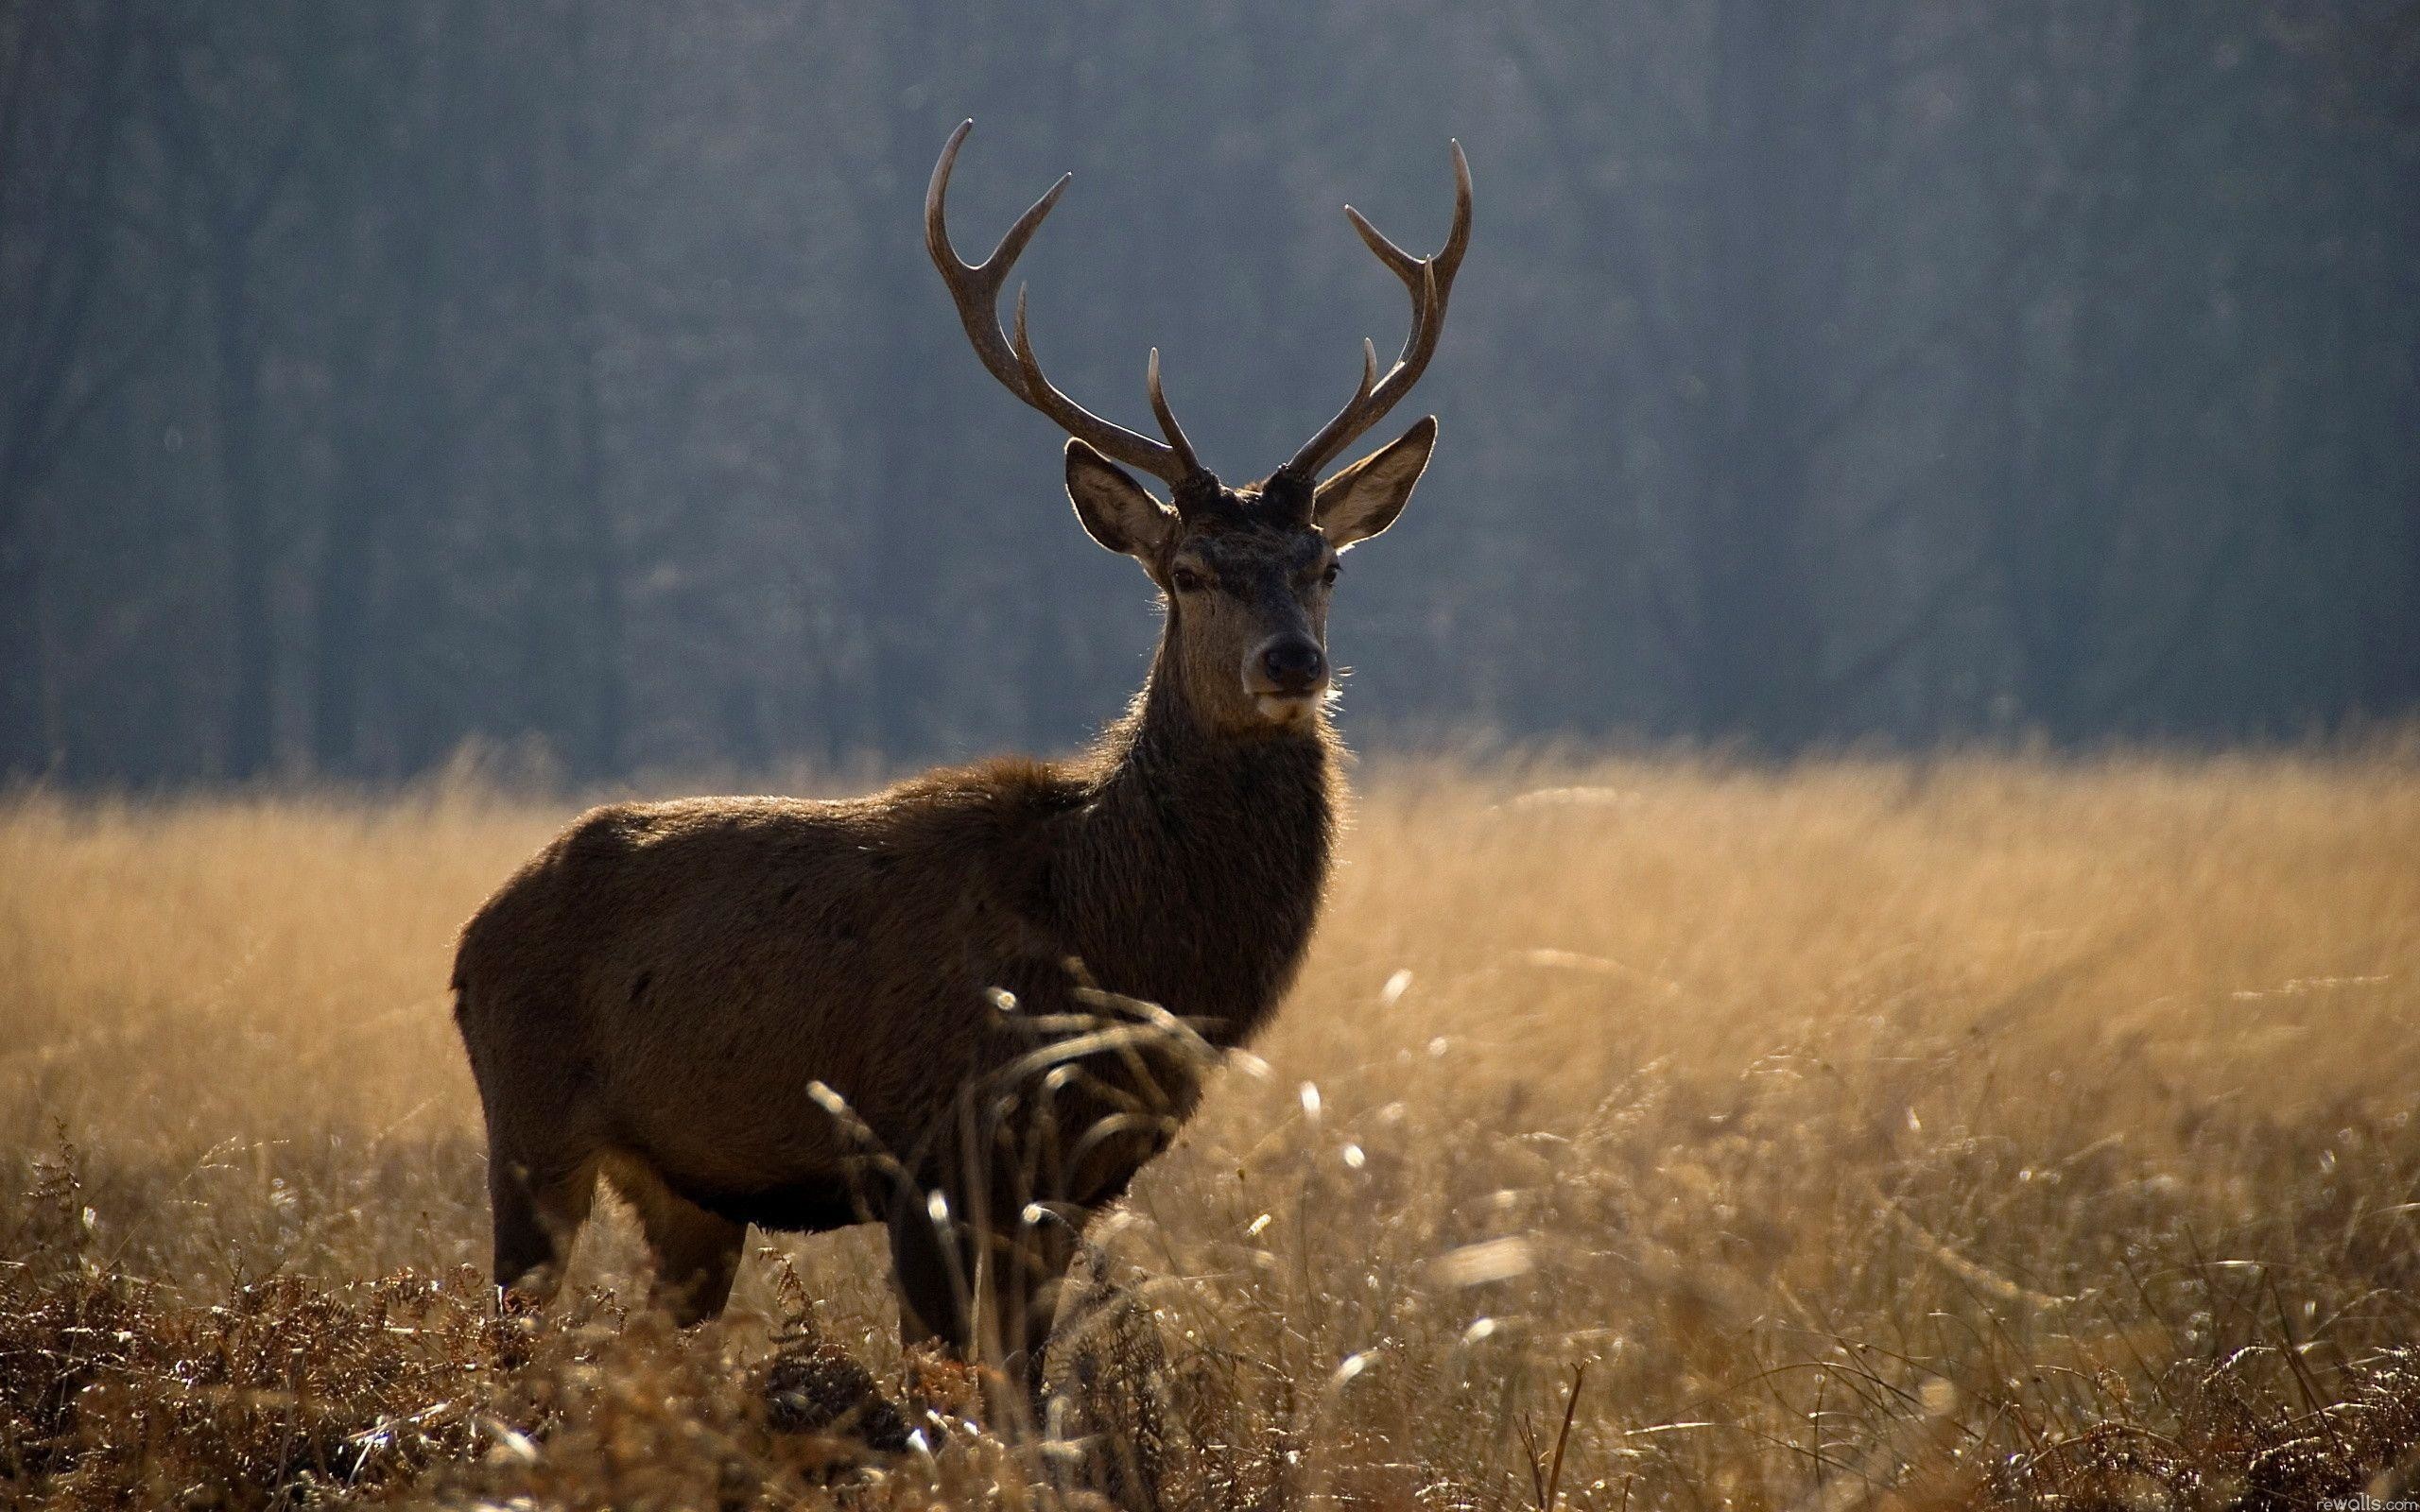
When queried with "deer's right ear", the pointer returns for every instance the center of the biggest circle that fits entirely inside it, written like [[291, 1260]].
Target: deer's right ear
[[1365, 498], [1116, 512]]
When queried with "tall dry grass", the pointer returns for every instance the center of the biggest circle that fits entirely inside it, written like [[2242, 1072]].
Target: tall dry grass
[[1941, 1133]]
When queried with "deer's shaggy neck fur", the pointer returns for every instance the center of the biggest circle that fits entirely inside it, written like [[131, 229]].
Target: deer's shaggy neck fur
[[1193, 871]]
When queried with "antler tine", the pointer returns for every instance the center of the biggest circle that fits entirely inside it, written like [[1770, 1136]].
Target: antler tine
[[975, 287], [1431, 283], [1172, 464], [1167, 416], [975, 290]]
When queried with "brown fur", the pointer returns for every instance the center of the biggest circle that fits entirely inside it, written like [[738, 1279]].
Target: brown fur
[[653, 997]]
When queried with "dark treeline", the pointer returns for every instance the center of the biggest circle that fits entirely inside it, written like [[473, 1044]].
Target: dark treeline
[[384, 377]]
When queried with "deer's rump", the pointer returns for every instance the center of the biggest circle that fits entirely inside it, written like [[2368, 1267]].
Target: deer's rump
[[664, 985]]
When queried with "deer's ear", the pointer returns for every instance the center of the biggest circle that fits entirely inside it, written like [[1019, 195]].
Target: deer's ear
[[1365, 498], [1116, 512]]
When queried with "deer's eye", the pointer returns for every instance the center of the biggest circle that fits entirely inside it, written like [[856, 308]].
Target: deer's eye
[[1187, 581], [1333, 573]]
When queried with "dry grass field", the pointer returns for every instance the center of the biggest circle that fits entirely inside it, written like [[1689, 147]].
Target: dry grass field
[[1966, 1132]]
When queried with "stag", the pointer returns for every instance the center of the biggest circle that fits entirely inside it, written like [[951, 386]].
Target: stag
[[972, 1006]]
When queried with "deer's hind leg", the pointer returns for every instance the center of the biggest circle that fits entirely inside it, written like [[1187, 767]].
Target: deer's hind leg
[[538, 1214], [697, 1252]]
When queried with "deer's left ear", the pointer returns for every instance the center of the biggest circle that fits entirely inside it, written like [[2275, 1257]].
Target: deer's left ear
[[1116, 512], [1365, 498]]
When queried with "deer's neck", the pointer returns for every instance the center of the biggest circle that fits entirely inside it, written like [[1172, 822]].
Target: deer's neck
[[1199, 863]]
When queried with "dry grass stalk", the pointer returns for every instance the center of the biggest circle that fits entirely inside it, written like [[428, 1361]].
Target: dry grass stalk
[[1976, 1132]]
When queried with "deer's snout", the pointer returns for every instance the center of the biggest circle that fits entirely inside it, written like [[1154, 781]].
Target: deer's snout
[[1286, 674], [1293, 665]]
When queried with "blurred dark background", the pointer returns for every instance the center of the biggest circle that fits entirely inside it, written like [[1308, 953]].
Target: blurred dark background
[[380, 378]]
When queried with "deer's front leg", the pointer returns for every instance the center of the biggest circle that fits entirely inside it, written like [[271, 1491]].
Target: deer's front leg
[[987, 1294]]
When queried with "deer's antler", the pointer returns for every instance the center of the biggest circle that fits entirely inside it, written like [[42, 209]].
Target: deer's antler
[[976, 288], [1430, 281]]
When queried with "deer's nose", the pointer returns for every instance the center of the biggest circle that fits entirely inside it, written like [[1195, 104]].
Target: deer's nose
[[1294, 664]]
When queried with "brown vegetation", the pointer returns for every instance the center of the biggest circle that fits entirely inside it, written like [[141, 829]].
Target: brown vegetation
[[1918, 1134]]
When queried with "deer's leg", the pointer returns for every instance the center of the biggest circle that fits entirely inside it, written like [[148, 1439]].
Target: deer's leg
[[538, 1213], [1000, 1311], [1021, 1286], [697, 1252], [934, 1271]]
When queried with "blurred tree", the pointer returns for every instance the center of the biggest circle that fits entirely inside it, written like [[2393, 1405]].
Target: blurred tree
[[67, 95], [224, 81]]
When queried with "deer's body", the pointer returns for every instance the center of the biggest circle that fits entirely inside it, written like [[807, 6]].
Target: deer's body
[[653, 994], [974, 1005]]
